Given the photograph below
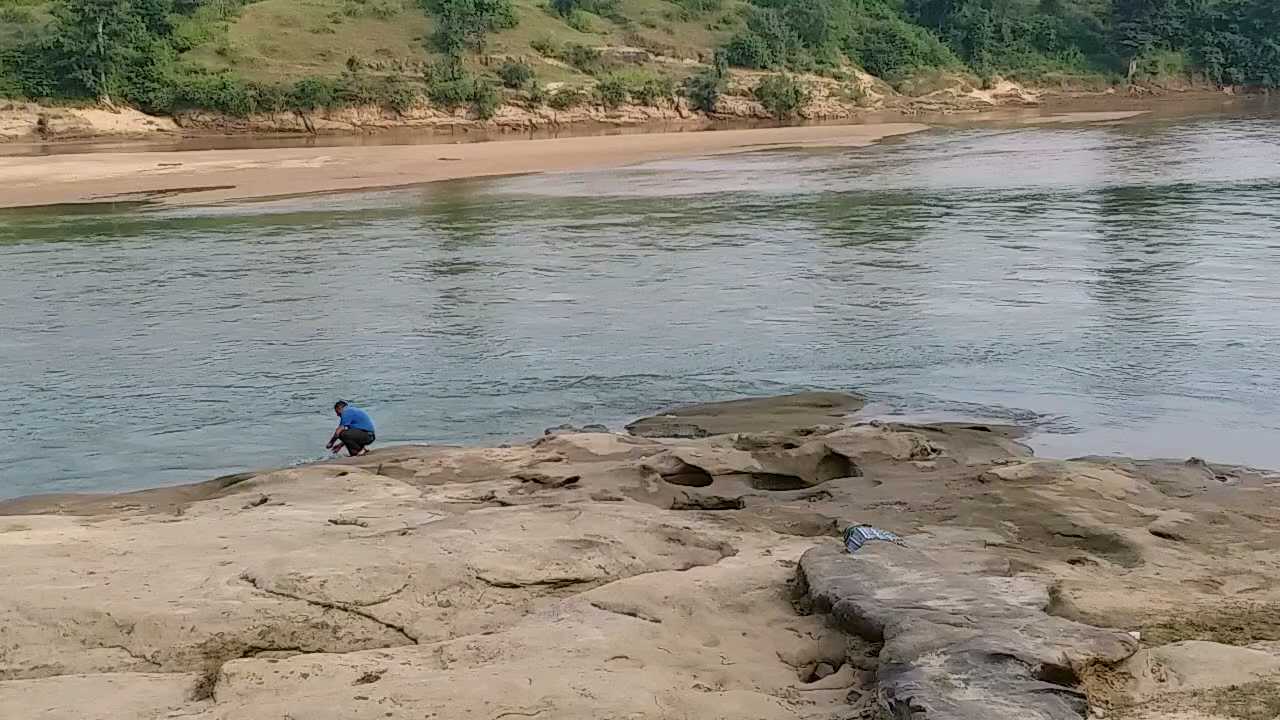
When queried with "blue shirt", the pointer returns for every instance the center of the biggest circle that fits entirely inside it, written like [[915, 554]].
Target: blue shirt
[[355, 418]]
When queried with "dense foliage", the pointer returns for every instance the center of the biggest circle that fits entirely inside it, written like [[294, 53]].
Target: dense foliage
[[466, 24], [134, 50], [782, 95], [1230, 41]]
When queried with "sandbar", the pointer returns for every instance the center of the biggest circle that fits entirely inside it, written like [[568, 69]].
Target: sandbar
[[210, 176]]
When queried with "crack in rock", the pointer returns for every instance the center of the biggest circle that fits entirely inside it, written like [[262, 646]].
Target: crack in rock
[[625, 611], [129, 652], [381, 598], [553, 582], [341, 607]]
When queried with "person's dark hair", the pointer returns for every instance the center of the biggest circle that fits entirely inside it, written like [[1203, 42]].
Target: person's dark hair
[[340, 403]]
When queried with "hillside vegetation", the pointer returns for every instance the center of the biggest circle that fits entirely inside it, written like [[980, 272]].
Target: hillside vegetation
[[242, 57]]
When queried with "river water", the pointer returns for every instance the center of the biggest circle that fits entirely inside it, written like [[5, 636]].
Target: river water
[[1114, 287]]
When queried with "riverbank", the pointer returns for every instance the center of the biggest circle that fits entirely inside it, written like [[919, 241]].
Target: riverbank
[[662, 573], [219, 175], [192, 176]]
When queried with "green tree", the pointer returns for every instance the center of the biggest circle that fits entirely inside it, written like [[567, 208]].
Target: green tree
[[932, 14], [465, 24], [97, 46], [817, 23], [1142, 24]]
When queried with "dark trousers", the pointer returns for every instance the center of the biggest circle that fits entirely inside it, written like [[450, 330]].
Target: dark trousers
[[355, 440]]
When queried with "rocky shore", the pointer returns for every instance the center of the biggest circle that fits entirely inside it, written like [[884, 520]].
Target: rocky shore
[[829, 100], [863, 98], [691, 568]]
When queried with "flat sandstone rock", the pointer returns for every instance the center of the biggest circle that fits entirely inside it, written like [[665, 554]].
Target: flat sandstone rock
[[603, 576], [751, 415]]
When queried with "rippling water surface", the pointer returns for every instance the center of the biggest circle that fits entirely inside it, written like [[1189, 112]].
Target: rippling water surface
[[1113, 286]]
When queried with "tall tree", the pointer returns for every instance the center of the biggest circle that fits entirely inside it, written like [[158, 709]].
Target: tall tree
[[465, 24], [97, 43]]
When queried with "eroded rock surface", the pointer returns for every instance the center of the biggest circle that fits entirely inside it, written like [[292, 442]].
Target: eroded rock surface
[[957, 645], [785, 412], [596, 575]]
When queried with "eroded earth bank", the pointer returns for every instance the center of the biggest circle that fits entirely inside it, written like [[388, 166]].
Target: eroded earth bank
[[691, 568]]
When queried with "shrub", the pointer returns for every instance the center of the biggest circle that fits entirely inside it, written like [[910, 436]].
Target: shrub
[[720, 62], [273, 98], [639, 86], [654, 90], [579, 21], [891, 47], [701, 7], [612, 91], [223, 92], [486, 99], [545, 46], [461, 89], [399, 94], [782, 95], [572, 10], [1162, 65], [537, 94], [749, 50], [515, 74], [451, 93], [566, 98], [703, 89], [313, 93], [359, 90], [771, 27], [587, 59]]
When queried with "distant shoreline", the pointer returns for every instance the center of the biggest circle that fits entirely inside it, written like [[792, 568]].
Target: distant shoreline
[[187, 177]]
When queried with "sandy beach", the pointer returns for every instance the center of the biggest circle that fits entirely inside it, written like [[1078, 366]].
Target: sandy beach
[[220, 175], [210, 176]]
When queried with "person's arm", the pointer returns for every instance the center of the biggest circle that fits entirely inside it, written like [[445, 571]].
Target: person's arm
[[333, 440]]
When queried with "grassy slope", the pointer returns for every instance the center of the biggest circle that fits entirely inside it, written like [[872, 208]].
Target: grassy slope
[[288, 39]]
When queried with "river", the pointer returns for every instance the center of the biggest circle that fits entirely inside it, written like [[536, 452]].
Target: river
[[1111, 286]]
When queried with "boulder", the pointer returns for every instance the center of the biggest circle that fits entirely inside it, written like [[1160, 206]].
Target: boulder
[[956, 646], [1196, 665]]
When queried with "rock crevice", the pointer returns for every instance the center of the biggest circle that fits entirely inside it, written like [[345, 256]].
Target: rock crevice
[[356, 610]]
